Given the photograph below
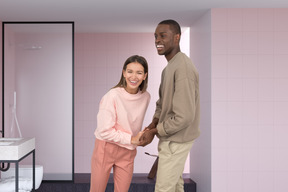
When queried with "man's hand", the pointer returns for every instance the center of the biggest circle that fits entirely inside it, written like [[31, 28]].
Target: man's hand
[[147, 137]]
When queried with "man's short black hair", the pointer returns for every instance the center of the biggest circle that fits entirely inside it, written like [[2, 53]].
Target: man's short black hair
[[175, 27]]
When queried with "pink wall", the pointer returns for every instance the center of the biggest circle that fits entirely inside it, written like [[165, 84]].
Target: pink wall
[[249, 100], [200, 156]]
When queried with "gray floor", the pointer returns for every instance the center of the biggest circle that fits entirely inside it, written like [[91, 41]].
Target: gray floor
[[140, 183]]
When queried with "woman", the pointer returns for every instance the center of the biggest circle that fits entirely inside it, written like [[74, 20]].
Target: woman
[[119, 122]]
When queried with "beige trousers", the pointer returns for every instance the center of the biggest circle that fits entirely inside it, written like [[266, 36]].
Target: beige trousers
[[172, 158]]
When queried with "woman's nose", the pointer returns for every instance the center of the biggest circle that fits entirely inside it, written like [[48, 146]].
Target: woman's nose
[[134, 75]]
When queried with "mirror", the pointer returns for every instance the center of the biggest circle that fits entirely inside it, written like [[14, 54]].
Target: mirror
[[38, 91]]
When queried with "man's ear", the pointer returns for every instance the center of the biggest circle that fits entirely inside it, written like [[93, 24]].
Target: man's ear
[[177, 37]]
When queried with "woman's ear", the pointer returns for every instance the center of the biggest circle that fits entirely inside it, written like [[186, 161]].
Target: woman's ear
[[145, 76]]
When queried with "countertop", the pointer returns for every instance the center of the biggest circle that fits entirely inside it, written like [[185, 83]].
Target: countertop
[[15, 148]]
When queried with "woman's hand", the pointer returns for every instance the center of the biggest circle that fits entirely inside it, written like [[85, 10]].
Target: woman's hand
[[135, 140]]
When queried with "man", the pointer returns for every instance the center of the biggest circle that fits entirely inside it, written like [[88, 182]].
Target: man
[[177, 114]]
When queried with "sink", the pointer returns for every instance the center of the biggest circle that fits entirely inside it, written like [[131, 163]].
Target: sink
[[8, 141], [15, 148], [2, 143]]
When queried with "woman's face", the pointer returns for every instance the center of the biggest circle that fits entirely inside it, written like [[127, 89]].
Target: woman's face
[[134, 75]]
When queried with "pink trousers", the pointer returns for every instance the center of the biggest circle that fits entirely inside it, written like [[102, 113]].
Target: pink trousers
[[105, 156]]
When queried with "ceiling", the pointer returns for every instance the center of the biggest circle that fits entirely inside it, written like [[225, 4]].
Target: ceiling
[[121, 15]]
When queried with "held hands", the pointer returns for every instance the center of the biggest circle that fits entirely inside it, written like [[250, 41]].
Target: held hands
[[144, 137], [149, 133], [135, 140], [147, 136]]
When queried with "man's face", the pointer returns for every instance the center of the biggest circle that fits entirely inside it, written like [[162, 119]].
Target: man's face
[[165, 39]]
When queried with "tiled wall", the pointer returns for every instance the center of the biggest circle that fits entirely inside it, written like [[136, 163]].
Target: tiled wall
[[249, 100]]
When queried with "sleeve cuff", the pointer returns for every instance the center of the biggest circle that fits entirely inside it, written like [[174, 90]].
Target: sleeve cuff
[[156, 116], [126, 138], [161, 130]]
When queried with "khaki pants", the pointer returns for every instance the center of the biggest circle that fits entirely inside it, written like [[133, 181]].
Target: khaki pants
[[172, 158], [105, 156]]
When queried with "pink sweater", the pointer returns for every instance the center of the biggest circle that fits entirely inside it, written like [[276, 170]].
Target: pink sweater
[[121, 116]]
